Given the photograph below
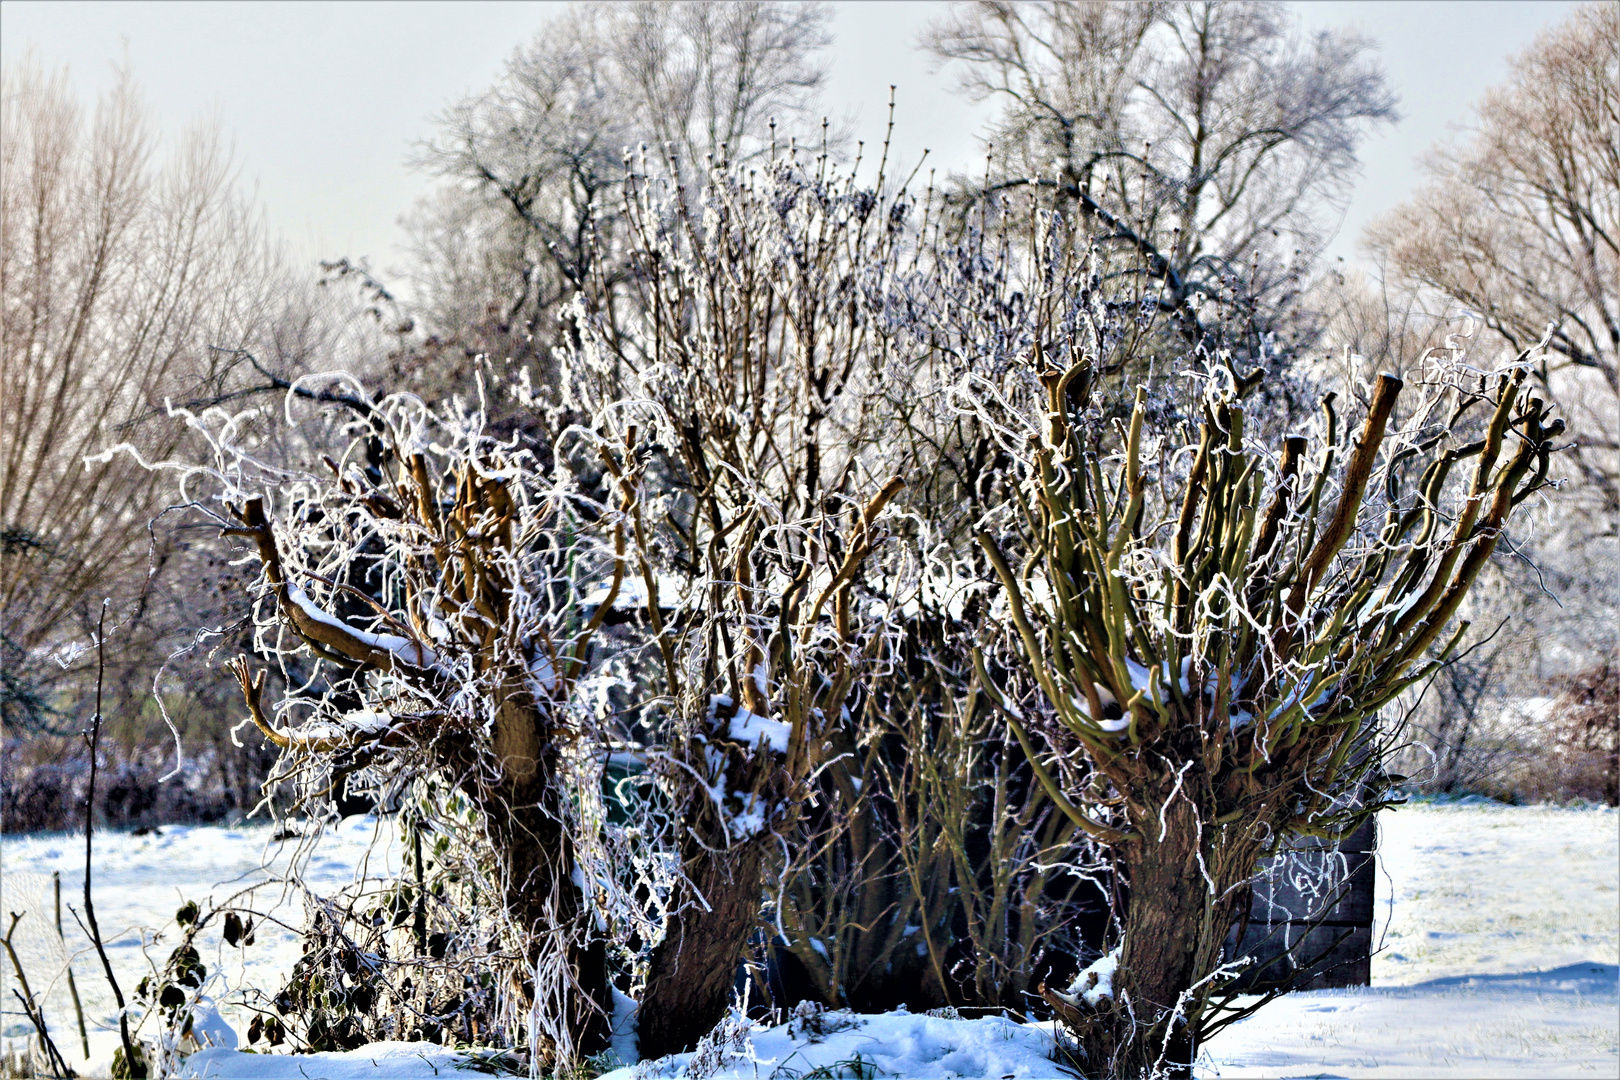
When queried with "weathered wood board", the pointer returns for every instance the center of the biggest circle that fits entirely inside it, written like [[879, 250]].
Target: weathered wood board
[[1296, 921]]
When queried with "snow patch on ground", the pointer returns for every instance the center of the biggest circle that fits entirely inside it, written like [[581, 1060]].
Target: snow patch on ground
[[139, 883], [404, 1060], [1543, 1024], [891, 1045]]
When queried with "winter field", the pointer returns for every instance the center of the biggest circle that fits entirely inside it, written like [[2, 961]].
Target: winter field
[[1499, 925]]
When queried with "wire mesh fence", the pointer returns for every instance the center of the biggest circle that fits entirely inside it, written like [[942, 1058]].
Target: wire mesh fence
[[49, 968]]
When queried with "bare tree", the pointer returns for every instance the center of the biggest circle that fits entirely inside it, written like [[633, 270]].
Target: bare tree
[[535, 159], [118, 270], [425, 585], [1215, 624], [1459, 735], [1377, 325], [1521, 223], [748, 368], [1211, 137]]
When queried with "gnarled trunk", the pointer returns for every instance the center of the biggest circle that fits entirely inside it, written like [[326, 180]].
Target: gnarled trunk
[[542, 898], [1183, 875], [528, 824], [695, 967], [1175, 926]]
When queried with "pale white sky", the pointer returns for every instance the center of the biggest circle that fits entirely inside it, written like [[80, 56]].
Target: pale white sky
[[323, 101]]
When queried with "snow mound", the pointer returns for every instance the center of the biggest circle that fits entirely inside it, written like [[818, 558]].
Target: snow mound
[[1096, 983], [393, 1060], [749, 728], [892, 1044]]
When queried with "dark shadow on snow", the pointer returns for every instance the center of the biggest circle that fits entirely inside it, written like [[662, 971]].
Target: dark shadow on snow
[[1584, 978]]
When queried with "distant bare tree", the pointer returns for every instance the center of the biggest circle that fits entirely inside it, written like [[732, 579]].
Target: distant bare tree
[[1461, 732], [1521, 224], [1553, 605], [537, 157], [1212, 137], [1388, 327], [1587, 734], [117, 271]]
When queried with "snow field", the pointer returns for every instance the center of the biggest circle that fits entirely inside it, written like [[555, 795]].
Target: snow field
[[1552, 1024], [139, 882], [1500, 936], [1480, 888], [1499, 926]]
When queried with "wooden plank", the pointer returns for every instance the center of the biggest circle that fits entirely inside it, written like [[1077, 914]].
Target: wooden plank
[[1332, 956], [1299, 920], [1287, 892]]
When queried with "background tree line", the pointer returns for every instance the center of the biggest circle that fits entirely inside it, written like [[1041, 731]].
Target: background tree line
[[1213, 140]]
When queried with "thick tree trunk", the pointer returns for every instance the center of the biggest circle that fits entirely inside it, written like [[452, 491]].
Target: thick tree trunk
[[1174, 930], [528, 824], [1181, 874], [542, 897], [694, 968]]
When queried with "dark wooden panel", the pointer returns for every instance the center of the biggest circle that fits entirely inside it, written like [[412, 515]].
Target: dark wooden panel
[[1287, 894], [1296, 922], [1331, 955]]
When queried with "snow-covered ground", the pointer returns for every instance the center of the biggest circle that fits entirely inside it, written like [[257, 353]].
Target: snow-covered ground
[[840, 1044], [139, 883], [1500, 929]]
